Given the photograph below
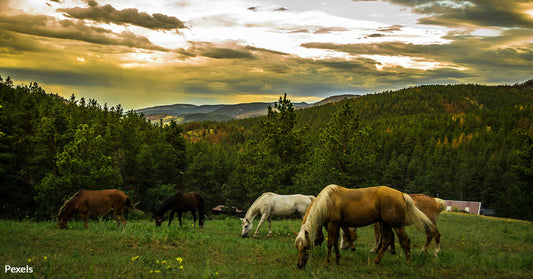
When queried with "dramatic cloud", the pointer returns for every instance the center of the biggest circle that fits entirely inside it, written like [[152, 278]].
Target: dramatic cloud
[[51, 27], [108, 14], [486, 13], [138, 53], [486, 58]]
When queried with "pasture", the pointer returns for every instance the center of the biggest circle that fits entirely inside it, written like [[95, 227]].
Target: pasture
[[472, 247]]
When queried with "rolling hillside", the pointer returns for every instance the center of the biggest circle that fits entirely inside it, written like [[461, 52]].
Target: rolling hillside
[[184, 113]]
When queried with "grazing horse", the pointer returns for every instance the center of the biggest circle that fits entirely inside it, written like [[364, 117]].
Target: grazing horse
[[269, 204], [88, 203], [337, 207], [431, 207], [181, 202]]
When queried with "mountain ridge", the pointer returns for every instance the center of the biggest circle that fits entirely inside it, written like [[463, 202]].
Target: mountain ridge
[[183, 113]]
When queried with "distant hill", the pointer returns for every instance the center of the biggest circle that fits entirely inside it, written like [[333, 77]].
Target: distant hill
[[183, 113], [334, 99]]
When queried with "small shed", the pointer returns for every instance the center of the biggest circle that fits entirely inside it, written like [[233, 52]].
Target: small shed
[[466, 206]]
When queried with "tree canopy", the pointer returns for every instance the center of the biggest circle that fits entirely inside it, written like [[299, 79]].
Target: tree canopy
[[458, 142]]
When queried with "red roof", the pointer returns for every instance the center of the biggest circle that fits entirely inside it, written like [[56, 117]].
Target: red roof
[[468, 206]]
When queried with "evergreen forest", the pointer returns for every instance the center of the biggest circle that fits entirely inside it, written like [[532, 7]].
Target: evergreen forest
[[456, 142]]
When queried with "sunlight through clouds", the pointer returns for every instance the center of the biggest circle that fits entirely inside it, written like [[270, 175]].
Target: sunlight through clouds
[[141, 53]]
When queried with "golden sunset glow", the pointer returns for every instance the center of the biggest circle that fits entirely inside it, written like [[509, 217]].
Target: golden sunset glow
[[144, 53]]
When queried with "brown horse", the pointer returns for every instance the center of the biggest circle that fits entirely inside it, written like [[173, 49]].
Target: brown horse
[[337, 207], [181, 202], [89, 203], [431, 207]]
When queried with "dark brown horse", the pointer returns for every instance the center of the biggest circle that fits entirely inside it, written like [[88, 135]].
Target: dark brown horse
[[181, 202], [90, 203], [337, 207], [431, 207]]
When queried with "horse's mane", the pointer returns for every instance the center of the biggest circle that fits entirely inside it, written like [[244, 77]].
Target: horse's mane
[[441, 203], [252, 211], [317, 213], [68, 203], [168, 203]]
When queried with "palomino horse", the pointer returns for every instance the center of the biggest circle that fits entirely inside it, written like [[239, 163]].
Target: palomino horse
[[181, 202], [88, 203], [432, 207], [269, 204], [337, 207]]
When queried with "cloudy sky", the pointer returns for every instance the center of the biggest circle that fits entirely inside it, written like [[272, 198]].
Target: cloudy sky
[[144, 53]]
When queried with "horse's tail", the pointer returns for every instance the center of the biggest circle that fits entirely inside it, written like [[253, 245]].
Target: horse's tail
[[441, 203], [417, 217], [133, 206]]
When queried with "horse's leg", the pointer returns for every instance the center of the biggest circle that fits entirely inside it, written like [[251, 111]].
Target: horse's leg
[[437, 242], [405, 242], [85, 218], [319, 237], [264, 217], [353, 237], [180, 216], [377, 238], [193, 212], [201, 216], [117, 218], [386, 238], [170, 217], [347, 239], [429, 237], [343, 239], [120, 219], [123, 218], [393, 246], [269, 227], [333, 234]]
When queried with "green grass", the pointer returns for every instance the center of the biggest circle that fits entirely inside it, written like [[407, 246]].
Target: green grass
[[472, 247]]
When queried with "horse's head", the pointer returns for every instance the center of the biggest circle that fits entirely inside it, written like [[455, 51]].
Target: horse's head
[[246, 226], [61, 222], [158, 219], [303, 245]]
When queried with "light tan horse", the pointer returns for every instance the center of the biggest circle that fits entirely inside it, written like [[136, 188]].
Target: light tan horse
[[337, 207], [90, 203], [431, 207]]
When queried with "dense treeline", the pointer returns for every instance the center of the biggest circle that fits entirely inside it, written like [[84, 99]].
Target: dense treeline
[[465, 142], [51, 147]]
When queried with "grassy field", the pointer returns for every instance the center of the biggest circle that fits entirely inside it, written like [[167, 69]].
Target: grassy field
[[472, 247]]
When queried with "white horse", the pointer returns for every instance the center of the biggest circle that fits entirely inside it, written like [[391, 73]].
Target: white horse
[[269, 204]]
